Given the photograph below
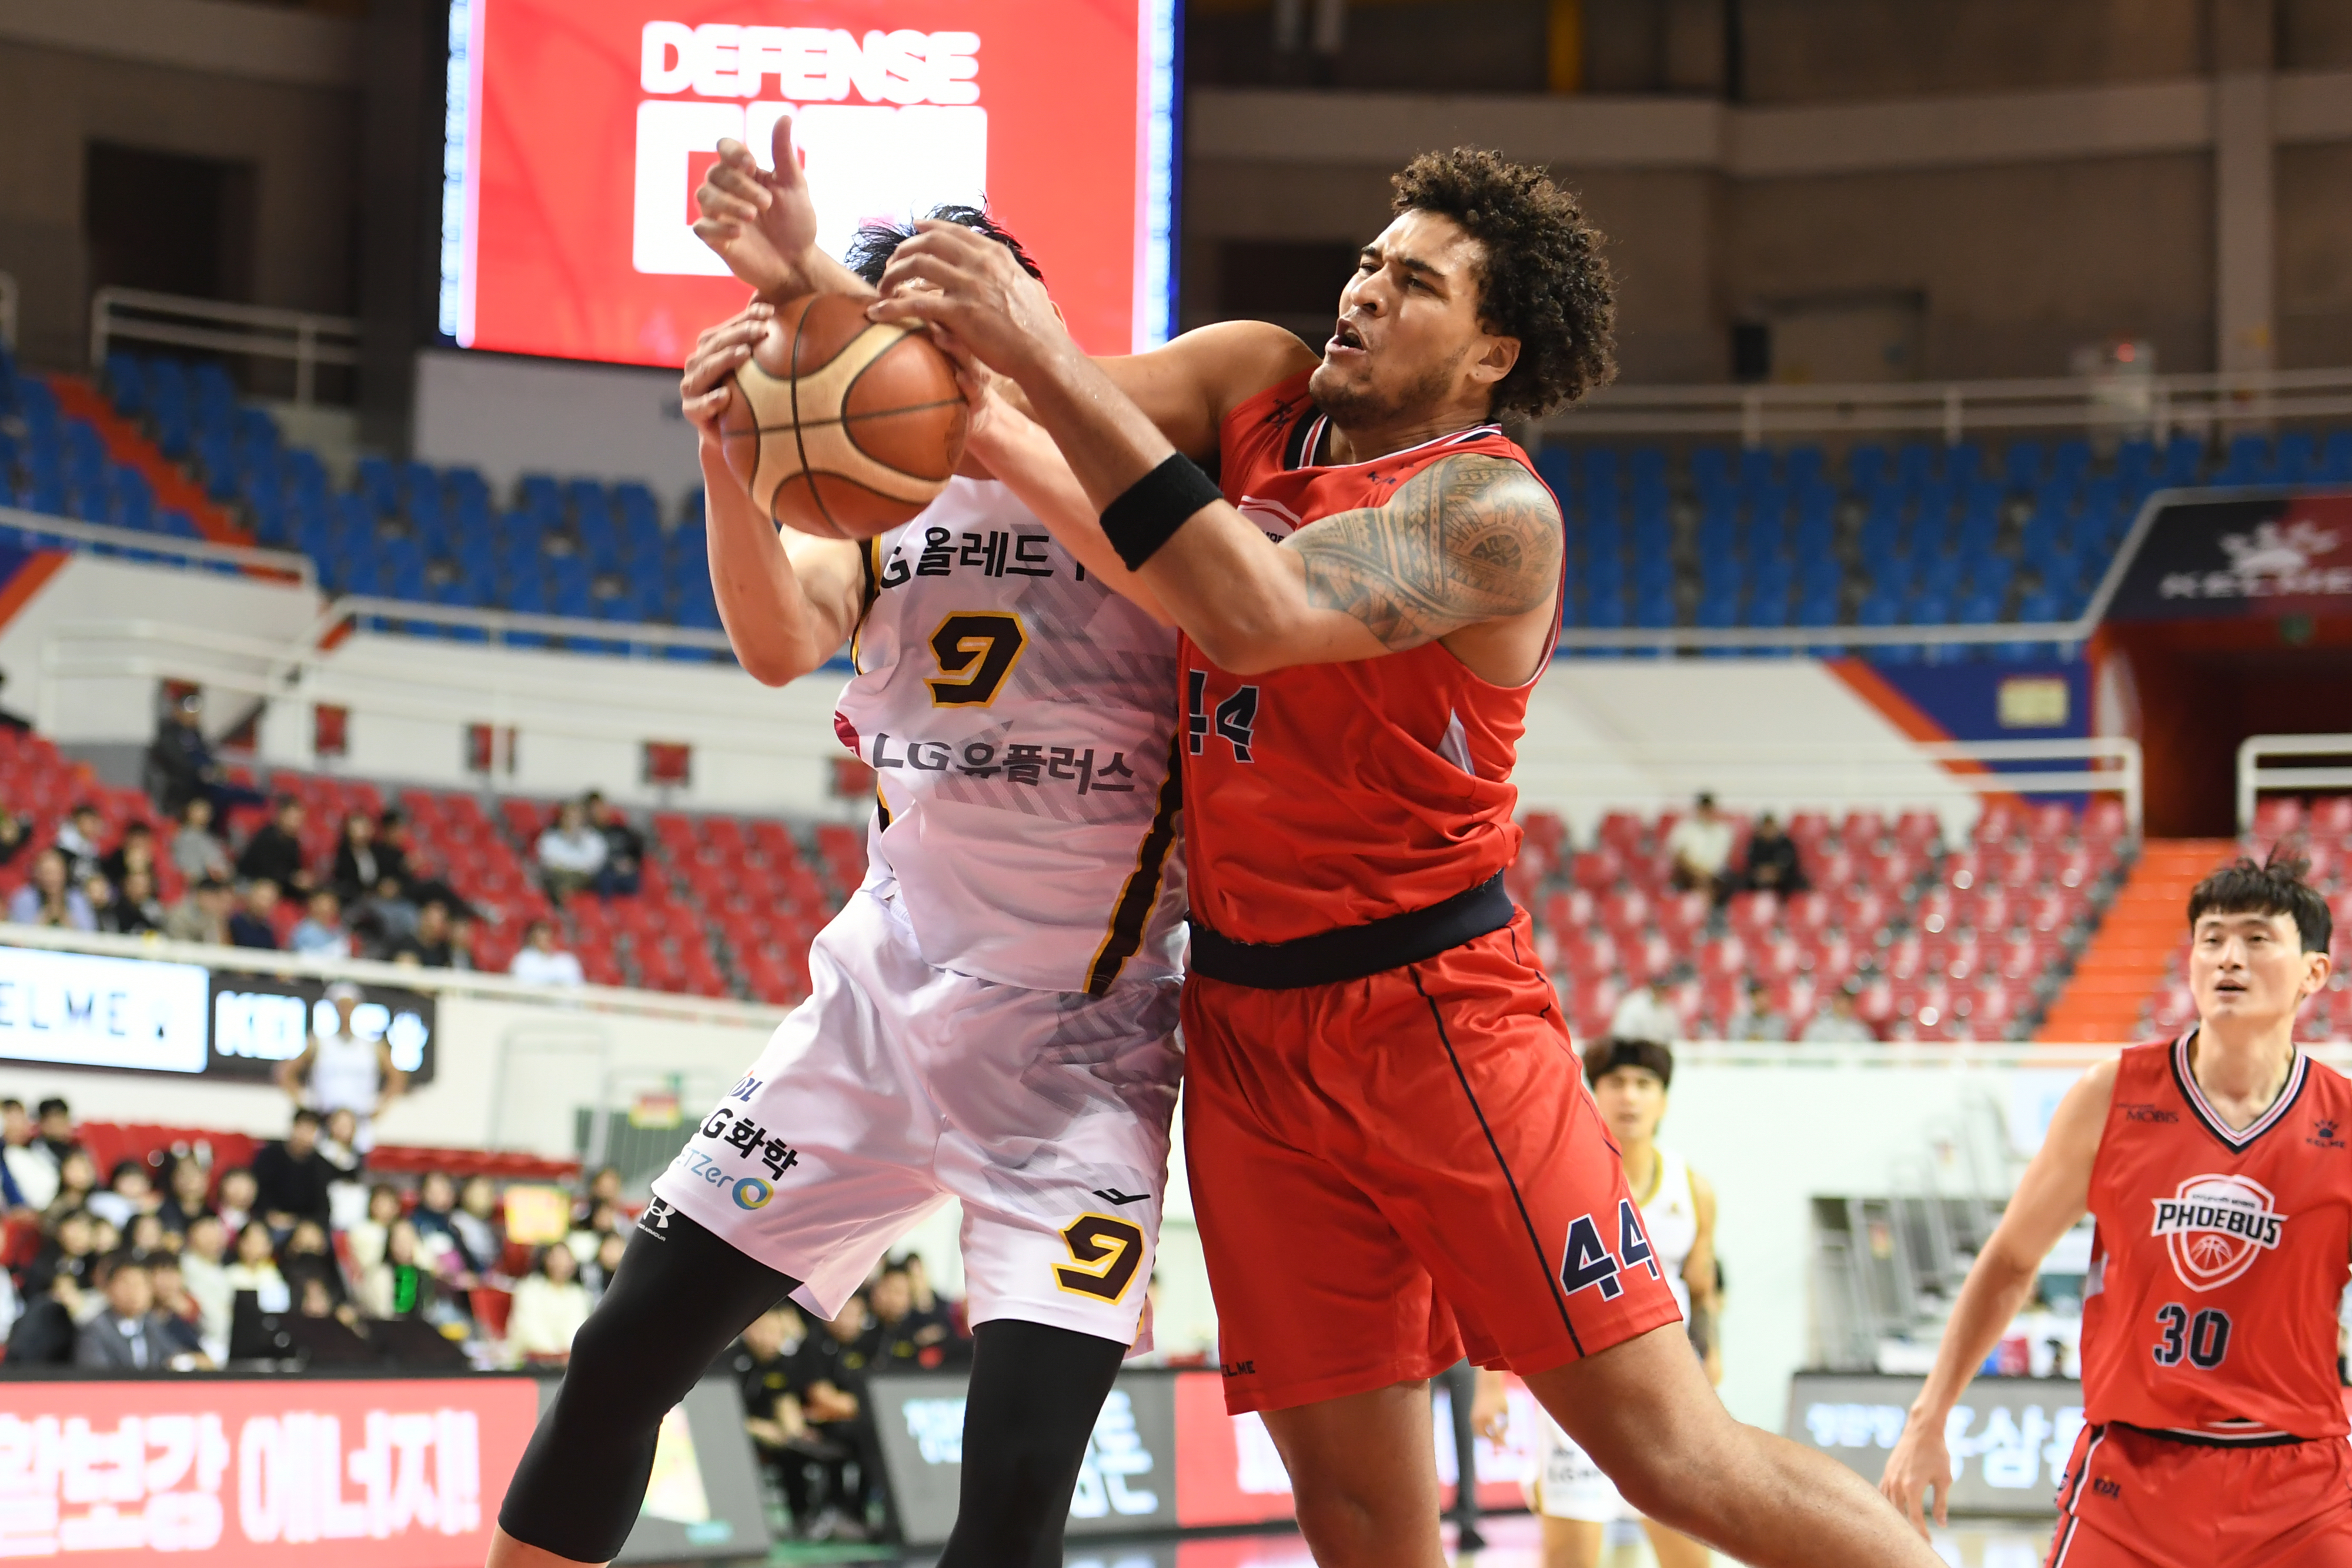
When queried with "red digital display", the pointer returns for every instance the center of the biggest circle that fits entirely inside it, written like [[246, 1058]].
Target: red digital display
[[578, 128]]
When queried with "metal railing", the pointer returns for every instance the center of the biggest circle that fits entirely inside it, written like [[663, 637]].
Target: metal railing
[[197, 552], [2253, 777], [1831, 773], [503, 625], [309, 340], [8, 296], [2154, 405]]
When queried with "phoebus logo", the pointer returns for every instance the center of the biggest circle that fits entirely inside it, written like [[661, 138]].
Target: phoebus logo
[[2215, 1227]]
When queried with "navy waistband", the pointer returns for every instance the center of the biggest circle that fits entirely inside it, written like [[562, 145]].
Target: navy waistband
[[1353, 952]]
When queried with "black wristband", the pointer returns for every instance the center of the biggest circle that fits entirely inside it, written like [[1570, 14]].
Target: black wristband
[[1143, 516]]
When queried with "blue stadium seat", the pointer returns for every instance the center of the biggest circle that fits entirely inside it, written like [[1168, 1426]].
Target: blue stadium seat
[[2184, 460]]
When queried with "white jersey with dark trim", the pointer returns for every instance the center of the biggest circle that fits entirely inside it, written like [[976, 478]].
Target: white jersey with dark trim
[[1020, 718]]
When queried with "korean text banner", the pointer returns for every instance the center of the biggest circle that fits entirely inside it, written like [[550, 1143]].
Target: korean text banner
[[396, 1473], [577, 129], [2010, 1436]]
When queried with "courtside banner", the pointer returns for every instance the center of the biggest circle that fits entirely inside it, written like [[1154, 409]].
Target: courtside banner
[[389, 1473], [576, 131], [2010, 1436], [81, 1009], [2267, 556]]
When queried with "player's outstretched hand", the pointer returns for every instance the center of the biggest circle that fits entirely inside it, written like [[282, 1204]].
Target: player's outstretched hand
[[707, 387], [1920, 1461], [950, 277], [762, 221]]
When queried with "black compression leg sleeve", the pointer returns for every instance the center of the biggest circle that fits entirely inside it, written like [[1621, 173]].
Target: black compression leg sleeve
[[679, 1297], [1035, 1392]]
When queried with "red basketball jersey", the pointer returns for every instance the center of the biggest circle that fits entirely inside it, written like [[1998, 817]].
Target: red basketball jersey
[[1325, 796], [2219, 1257]]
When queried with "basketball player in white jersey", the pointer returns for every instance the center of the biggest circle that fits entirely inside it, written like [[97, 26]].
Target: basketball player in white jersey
[[992, 1013], [1577, 1502], [340, 1071]]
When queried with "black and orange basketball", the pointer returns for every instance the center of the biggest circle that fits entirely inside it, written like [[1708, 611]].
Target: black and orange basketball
[[843, 427]]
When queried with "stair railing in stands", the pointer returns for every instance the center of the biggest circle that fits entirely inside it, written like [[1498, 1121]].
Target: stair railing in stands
[[2253, 777], [308, 338], [8, 296], [1833, 773], [2153, 406], [32, 526]]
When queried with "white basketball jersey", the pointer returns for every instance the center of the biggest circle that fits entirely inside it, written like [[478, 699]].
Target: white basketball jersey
[[1020, 718], [1671, 1216]]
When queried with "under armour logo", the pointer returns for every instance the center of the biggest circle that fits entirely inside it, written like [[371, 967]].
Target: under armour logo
[[655, 1221]]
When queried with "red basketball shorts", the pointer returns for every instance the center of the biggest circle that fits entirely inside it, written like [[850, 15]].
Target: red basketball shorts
[[1387, 1169], [2133, 1500]]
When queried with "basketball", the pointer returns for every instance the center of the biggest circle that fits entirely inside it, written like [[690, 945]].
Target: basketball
[[843, 427]]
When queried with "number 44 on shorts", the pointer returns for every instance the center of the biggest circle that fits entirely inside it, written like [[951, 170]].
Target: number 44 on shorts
[[1590, 1264]]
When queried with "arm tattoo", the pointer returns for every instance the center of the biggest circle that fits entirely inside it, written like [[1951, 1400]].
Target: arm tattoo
[[1468, 540]]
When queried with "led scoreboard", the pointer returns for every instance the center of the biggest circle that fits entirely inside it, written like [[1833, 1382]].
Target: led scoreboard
[[577, 129]]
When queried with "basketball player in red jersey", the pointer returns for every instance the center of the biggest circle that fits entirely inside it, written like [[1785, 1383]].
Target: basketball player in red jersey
[[2218, 1169], [1391, 1147]]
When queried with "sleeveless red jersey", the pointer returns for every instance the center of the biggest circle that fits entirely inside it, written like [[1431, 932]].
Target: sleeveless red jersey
[[2219, 1257], [1325, 796]]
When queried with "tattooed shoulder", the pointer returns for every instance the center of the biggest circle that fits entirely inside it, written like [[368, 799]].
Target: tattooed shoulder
[[1468, 540]]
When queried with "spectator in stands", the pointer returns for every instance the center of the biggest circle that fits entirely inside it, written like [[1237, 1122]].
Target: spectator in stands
[[344, 1071], [196, 850], [571, 853], [290, 1177], [78, 838], [172, 1297], [130, 1190], [179, 766], [904, 1341], [55, 1124], [307, 1253], [550, 1305], [1773, 865], [433, 944], [256, 1269], [62, 1269], [624, 847], [145, 1233], [604, 1191], [187, 1192], [134, 910], [1646, 1014], [129, 1334], [837, 1362], [253, 922], [77, 1182], [400, 1284], [134, 851], [50, 898], [202, 914], [436, 1202], [480, 1230], [234, 1197], [1699, 851], [319, 933], [30, 1163], [358, 865], [205, 1274], [1836, 1023], [1756, 1020], [16, 833], [366, 1237], [275, 854], [767, 1376], [540, 962], [597, 1271], [339, 1145], [386, 918]]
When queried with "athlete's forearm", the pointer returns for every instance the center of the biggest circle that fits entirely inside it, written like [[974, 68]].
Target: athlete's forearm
[[1996, 1289], [1018, 450], [1235, 592], [815, 272], [774, 630]]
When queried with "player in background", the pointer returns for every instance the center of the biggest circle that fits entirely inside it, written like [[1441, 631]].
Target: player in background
[[1629, 1079], [2218, 1170], [1360, 989], [992, 1012]]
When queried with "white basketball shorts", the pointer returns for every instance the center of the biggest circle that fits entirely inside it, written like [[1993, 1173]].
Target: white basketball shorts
[[897, 1086], [1569, 1485]]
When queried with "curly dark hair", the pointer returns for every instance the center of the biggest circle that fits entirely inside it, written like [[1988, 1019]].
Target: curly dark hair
[[1543, 281]]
